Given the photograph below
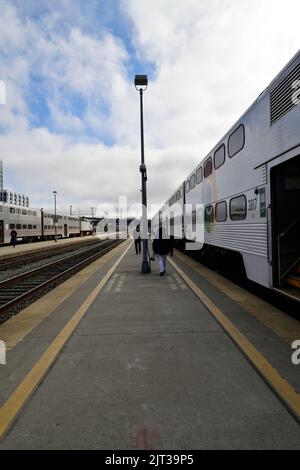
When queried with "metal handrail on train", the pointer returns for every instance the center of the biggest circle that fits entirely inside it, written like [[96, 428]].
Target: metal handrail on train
[[283, 234], [280, 237]]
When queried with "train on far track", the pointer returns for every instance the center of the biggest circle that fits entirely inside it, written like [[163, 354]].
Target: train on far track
[[248, 187], [37, 224]]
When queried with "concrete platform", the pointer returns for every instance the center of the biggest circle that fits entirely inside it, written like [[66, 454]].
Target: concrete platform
[[148, 367]]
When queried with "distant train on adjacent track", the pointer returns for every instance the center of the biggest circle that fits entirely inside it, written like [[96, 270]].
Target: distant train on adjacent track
[[249, 189], [37, 224]]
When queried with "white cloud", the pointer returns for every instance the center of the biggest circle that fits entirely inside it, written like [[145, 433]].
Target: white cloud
[[212, 59]]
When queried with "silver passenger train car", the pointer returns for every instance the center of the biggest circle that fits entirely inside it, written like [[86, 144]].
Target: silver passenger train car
[[249, 186], [36, 224]]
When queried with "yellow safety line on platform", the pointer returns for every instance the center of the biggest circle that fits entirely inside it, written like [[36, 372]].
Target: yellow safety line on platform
[[18, 327], [284, 326], [278, 384], [15, 403]]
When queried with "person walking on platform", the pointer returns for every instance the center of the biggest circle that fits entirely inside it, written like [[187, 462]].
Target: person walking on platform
[[13, 237], [137, 240], [161, 248]]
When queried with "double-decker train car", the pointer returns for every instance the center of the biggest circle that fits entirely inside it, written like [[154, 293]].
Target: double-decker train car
[[246, 191], [36, 224]]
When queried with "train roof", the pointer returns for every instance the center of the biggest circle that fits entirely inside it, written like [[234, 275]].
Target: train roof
[[46, 211]]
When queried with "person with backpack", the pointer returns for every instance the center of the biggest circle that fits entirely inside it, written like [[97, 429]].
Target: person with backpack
[[13, 237], [137, 240], [162, 247]]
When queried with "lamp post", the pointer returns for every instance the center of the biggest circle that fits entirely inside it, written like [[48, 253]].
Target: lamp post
[[141, 83], [55, 221]]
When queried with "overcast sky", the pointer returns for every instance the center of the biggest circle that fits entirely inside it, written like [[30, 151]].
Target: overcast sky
[[71, 119]]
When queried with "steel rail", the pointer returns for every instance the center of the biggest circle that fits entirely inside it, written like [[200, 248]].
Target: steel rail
[[14, 290], [13, 261]]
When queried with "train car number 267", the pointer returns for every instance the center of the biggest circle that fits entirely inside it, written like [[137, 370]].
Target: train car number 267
[[252, 203]]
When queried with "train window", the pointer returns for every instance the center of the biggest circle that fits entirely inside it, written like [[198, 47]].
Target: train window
[[178, 195], [236, 141], [192, 181], [209, 214], [221, 211], [24, 211], [11, 226], [187, 186], [207, 167], [30, 227], [18, 226], [238, 208], [219, 156], [199, 175], [12, 210], [34, 227], [200, 215], [24, 226]]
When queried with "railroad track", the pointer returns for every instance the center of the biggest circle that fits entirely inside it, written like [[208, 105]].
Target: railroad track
[[19, 289], [14, 261]]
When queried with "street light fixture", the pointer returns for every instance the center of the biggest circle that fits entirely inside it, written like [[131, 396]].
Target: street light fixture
[[141, 84], [55, 218]]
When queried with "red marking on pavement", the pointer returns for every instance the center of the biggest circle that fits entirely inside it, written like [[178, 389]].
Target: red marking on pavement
[[145, 438]]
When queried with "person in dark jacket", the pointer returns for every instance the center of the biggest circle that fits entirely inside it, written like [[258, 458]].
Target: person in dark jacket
[[13, 237], [162, 247], [137, 240]]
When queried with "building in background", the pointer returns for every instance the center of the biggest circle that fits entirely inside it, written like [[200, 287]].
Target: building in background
[[15, 199], [1, 176], [10, 197]]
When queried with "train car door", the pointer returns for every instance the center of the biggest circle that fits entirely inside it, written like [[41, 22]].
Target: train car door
[[1, 231], [65, 230], [285, 210]]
